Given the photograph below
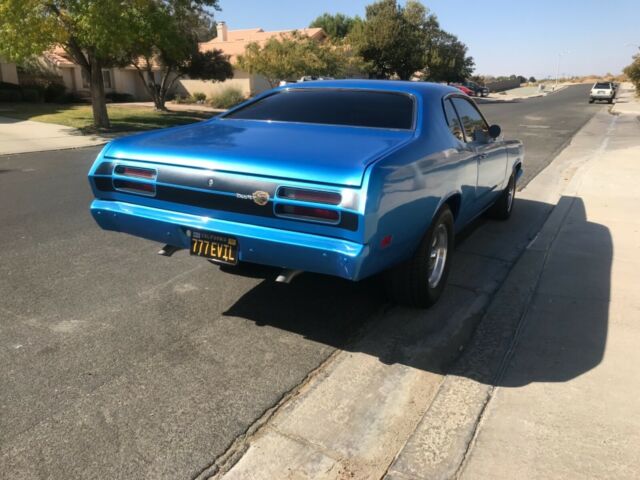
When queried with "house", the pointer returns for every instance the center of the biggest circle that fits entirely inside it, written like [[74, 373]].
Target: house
[[8, 72], [233, 43], [120, 80], [127, 79]]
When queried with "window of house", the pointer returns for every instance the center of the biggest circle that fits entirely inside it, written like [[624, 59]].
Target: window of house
[[452, 120], [106, 78], [470, 117]]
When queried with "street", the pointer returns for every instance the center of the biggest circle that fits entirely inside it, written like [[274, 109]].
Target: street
[[544, 124], [118, 361]]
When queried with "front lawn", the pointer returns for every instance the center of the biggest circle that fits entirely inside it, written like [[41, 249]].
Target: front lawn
[[123, 118]]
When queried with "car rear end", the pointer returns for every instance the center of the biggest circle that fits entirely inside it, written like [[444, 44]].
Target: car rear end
[[289, 195], [602, 91]]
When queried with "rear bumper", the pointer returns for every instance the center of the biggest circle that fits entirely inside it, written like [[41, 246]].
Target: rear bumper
[[256, 244]]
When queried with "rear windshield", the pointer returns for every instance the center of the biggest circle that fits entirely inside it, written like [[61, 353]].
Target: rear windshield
[[357, 108], [602, 85]]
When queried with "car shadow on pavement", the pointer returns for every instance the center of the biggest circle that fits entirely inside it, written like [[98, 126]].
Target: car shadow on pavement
[[472, 329]]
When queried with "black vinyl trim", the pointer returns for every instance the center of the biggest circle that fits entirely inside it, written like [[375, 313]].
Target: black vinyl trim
[[227, 203]]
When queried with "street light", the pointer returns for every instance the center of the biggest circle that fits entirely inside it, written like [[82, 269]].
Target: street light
[[558, 69]]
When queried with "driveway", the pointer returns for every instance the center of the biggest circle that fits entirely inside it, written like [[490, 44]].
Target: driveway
[[23, 136]]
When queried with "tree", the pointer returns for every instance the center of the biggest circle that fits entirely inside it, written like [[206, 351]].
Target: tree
[[393, 40], [292, 56], [532, 80], [99, 34], [168, 35], [92, 32], [447, 60], [335, 26], [633, 72]]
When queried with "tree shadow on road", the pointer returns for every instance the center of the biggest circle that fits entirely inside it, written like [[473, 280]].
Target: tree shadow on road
[[472, 329]]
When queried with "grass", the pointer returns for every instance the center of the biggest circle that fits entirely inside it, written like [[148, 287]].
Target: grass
[[123, 118]]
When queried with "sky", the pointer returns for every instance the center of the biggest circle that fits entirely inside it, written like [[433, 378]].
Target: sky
[[522, 37]]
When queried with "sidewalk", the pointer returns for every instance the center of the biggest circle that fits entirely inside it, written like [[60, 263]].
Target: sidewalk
[[565, 403], [22, 136], [584, 317], [522, 93]]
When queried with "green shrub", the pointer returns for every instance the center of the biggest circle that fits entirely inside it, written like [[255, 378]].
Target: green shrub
[[33, 93], [75, 97], [227, 98], [118, 97], [198, 97], [10, 92], [184, 99], [54, 92]]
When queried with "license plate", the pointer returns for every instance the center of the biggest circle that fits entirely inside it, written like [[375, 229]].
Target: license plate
[[213, 246]]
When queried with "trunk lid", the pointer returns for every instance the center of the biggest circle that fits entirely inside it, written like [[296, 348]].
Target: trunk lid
[[318, 153]]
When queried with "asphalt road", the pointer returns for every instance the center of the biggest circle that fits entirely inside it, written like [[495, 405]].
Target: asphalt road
[[544, 124], [120, 363]]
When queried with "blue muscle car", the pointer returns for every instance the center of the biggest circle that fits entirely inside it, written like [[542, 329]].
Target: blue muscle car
[[345, 178]]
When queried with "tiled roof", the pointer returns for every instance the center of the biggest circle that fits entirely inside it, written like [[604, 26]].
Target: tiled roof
[[59, 57], [237, 40]]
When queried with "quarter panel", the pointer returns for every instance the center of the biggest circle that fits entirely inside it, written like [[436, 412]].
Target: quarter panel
[[405, 190]]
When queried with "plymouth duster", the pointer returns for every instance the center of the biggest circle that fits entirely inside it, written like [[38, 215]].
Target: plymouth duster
[[349, 178]]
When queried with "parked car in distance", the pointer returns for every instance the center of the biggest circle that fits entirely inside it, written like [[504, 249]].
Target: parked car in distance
[[463, 89], [477, 89], [602, 91], [349, 178], [312, 78]]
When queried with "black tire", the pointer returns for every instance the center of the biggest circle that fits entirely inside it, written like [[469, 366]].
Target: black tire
[[610, 100], [591, 100], [410, 282], [502, 208]]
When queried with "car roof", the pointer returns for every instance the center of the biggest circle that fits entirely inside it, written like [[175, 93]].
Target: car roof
[[415, 88]]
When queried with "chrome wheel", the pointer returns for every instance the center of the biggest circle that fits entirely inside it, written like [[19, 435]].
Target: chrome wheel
[[438, 255]]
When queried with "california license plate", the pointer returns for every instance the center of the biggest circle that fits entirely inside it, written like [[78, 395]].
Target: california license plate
[[213, 246]]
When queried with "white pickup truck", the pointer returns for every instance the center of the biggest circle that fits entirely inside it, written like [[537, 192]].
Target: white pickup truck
[[602, 91]]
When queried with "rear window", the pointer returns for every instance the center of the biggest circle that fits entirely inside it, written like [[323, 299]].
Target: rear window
[[357, 108], [602, 85]]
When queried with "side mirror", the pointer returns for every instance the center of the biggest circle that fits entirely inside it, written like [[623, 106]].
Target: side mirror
[[495, 131]]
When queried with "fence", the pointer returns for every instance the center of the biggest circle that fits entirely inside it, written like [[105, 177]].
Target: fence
[[503, 85]]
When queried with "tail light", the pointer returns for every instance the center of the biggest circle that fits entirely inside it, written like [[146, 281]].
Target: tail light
[[138, 172], [312, 196], [129, 186], [308, 213]]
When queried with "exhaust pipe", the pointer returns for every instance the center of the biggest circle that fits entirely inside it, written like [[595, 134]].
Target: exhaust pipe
[[168, 250], [287, 275]]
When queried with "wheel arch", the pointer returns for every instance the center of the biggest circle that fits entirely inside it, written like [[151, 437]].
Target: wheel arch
[[453, 200]]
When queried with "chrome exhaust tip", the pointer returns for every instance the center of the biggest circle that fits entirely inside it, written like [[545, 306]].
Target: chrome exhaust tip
[[287, 275], [168, 250]]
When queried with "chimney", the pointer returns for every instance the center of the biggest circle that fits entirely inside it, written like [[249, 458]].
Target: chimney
[[223, 31]]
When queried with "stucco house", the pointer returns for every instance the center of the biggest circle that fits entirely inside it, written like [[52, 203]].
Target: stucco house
[[127, 80], [233, 43], [121, 80], [8, 72]]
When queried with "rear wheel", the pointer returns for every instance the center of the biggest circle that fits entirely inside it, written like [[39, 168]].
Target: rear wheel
[[501, 210], [419, 282], [591, 100]]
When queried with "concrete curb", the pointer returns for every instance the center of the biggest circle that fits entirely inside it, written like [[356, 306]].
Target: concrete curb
[[438, 447]]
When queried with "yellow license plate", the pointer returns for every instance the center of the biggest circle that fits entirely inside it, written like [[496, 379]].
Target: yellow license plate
[[213, 246]]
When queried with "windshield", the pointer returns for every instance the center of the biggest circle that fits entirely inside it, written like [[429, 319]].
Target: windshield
[[357, 108], [602, 85]]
